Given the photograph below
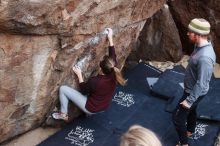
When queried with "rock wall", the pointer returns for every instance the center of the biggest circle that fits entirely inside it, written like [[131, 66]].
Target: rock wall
[[159, 40], [24, 73], [42, 39], [185, 10]]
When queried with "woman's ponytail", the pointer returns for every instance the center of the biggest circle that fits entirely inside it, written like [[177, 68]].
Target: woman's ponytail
[[119, 76], [108, 66]]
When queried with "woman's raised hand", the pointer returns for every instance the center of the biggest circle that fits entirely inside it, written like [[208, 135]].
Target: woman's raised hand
[[109, 33]]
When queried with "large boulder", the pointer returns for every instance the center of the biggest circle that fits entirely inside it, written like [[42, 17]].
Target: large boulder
[[42, 39], [159, 39], [185, 10], [72, 16], [25, 71]]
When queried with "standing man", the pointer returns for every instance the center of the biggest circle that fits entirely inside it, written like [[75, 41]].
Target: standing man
[[197, 77]]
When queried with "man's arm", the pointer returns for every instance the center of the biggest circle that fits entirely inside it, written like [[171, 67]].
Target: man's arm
[[204, 74]]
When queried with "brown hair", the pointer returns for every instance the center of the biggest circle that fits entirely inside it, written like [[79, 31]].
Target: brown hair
[[108, 66], [139, 136]]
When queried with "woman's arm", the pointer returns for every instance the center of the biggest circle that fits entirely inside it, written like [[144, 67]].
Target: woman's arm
[[85, 87], [78, 72], [111, 49], [110, 38]]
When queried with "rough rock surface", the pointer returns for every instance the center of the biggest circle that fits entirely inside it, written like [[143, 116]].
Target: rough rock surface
[[185, 10], [41, 40], [159, 40], [24, 73]]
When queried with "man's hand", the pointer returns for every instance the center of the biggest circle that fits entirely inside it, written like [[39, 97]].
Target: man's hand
[[185, 104]]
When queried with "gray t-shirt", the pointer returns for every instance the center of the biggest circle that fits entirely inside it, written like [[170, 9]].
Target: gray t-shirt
[[199, 72]]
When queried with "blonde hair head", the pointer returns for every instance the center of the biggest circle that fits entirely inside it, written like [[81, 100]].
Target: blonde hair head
[[139, 136]]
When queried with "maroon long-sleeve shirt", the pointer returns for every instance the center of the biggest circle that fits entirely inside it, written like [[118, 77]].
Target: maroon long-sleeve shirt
[[100, 89]]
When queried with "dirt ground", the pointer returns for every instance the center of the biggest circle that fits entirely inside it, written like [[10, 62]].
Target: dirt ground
[[32, 138]]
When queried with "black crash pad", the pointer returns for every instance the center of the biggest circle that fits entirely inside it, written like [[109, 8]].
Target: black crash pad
[[106, 128]]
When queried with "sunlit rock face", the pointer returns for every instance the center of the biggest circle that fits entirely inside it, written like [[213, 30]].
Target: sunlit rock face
[[185, 10], [42, 39], [24, 73], [72, 16]]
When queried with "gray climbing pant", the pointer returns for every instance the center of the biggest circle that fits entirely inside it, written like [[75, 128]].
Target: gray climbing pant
[[66, 93]]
